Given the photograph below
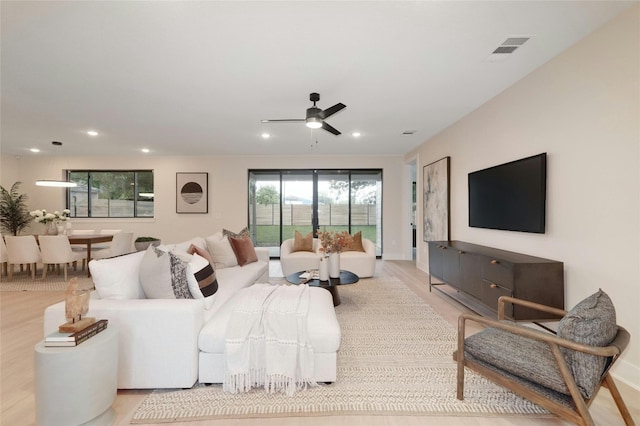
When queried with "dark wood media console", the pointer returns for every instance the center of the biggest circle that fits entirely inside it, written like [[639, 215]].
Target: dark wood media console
[[477, 276]]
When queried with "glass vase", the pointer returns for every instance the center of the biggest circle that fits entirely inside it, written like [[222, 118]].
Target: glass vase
[[52, 228]]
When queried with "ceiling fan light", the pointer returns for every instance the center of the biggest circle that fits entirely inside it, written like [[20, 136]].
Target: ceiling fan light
[[56, 183], [314, 123]]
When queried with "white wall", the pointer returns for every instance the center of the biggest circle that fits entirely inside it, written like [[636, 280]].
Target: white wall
[[227, 191], [582, 108]]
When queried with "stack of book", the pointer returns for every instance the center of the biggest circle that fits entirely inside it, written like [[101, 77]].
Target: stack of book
[[74, 339]]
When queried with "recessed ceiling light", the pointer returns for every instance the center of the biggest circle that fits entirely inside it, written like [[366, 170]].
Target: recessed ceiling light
[[266, 136], [356, 134], [34, 150], [92, 133], [145, 150]]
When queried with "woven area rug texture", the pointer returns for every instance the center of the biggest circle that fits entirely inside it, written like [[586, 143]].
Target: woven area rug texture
[[395, 358], [21, 281]]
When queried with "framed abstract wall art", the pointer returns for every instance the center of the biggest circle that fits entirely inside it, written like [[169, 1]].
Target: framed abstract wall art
[[192, 193], [435, 201]]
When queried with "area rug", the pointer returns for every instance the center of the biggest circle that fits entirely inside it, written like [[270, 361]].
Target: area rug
[[53, 282], [395, 358]]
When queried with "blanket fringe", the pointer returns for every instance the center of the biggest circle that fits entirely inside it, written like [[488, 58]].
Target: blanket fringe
[[272, 383]]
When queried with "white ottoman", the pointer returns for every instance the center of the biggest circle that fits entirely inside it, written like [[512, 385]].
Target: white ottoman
[[322, 325], [76, 384]]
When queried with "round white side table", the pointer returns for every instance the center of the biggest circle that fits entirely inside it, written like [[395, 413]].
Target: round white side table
[[76, 384]]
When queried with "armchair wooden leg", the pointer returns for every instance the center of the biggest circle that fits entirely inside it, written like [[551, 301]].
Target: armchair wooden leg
[[10, 271], [617, 398], [45, 266], [33, 272], [460, 359], [460, 380]]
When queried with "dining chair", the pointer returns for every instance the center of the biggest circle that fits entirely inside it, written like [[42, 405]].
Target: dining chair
[[56, 250], [103, 246], [83, 231], [109, 231], [122, 243], [3, 256], [81, 249], [22, 250]]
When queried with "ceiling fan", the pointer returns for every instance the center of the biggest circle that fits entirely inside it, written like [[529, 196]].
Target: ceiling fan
[[315, 116]]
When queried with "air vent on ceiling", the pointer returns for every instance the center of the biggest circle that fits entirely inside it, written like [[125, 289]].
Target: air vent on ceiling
[[515, 41], [507, 47]]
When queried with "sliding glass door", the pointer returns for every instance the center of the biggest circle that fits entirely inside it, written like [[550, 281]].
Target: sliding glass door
[[284, 201]]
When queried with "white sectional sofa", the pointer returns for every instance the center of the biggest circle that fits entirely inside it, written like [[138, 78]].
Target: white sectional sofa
[[158, 341], [363, 264], [169, 343]]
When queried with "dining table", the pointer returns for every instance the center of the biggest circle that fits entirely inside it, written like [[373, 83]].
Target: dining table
[[88, 240]]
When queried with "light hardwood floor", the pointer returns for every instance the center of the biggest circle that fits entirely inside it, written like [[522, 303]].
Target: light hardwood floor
[[22, 313]]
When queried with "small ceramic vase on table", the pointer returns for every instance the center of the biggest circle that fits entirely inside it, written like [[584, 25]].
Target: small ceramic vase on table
[[334, 265], [323, 269]]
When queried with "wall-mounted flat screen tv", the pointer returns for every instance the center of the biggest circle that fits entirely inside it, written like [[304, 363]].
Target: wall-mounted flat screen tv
[[511, 196]]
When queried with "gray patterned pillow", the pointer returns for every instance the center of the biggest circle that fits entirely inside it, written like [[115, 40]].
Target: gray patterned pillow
[[179, 281], [244, 232], [591, 322]]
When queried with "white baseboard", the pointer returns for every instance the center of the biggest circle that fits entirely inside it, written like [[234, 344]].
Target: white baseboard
[[393, 256], [625, 372]]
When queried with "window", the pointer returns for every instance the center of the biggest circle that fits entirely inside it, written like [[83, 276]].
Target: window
[[284, 201], [111, 193]]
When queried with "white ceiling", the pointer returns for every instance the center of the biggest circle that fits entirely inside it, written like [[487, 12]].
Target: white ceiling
[[196, 78]]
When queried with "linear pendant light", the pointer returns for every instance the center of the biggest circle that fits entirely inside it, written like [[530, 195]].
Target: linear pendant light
[[56, 183]]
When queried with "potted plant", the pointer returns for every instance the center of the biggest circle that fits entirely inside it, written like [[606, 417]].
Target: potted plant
[[14, 215], [142, 243]]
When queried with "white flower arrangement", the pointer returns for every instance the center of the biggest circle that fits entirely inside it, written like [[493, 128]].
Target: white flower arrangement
[[42, 216]]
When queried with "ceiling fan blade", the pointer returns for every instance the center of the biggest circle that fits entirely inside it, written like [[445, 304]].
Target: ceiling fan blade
[[332, 110], [329, 128], [288, 120]]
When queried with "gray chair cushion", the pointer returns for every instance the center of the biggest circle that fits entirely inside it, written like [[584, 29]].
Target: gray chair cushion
[[591, 322], [518, 355]]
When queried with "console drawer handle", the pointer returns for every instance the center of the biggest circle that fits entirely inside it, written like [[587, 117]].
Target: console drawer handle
[[493, 285], [495, 262]]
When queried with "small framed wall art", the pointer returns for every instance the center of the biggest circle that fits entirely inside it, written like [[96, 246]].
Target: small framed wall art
[[192, 192]]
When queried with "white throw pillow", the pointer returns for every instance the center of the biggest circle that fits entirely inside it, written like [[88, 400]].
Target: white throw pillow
[[221, 251], [117, 277], [163, 275]]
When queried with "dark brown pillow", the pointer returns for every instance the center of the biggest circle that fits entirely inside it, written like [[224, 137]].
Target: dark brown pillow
[[244, 250], [301, 243], [356, 243]]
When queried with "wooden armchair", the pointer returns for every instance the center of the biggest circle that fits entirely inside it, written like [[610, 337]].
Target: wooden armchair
[[537, 365]]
